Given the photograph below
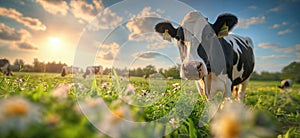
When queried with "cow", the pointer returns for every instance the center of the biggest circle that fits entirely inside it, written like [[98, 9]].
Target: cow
[[69, 70], [287, 83], [196, 40], [92, 70], [5, 67]]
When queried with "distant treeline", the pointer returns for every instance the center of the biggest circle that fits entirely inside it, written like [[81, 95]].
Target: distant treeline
[[147, 71], [37, 66], [290, 71]]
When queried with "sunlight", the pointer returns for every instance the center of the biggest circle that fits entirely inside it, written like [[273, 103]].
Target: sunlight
[[55, 43]]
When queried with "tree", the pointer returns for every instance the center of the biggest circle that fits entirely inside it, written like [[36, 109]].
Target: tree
[[292, 71], [150, 69], [19, 62], [173, 72]]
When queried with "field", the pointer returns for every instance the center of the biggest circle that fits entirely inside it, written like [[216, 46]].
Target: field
[[48, 105]]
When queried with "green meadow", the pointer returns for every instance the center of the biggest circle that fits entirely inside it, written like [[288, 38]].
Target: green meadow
[[46, 105]]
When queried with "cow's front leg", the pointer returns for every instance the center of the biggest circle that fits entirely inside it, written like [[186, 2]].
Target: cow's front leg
[[200, 86], [227, 92], [242, 90]]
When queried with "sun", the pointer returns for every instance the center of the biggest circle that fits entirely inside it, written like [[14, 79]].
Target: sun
[[55, 43]]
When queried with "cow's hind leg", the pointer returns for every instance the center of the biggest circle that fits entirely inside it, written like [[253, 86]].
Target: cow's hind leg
[[235, 90], [242, 91]]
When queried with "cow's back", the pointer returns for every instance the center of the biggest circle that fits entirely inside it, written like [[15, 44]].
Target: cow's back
[[242, 57]]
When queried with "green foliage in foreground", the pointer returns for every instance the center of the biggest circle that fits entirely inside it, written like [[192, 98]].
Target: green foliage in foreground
[[59, 117]]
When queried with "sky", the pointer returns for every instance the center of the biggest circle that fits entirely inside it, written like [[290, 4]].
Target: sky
[[116, 33]]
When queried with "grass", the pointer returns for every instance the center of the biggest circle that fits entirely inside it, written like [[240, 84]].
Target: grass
[[59, 117]]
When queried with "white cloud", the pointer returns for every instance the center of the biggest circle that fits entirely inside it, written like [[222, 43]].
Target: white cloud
[[267, 45], [275, 47], [252, 7], [106, 20], [26, 45], [32, 23], [143, 23], [10, 34], [149, 55], [297, 46], [275, 56], [17, 39], [157, 45], [54, 6], [85, 11], [270, 67], [275, 9], [245, 23], [275, 26], [108, 51], [283, 32]]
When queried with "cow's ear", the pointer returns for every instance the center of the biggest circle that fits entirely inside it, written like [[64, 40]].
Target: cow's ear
[[227, 19], [162, 27]]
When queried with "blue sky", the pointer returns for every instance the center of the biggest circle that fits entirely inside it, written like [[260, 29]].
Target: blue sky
[[120, 35]]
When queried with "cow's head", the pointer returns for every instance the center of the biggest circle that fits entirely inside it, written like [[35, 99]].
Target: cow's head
[[194, 39]]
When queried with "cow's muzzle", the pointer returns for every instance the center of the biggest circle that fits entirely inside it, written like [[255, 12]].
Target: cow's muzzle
[[193, 70]]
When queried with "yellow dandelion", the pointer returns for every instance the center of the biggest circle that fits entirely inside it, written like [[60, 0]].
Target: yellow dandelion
[[228, 122], [235, 121], [116, 122], [89, 106], [52, 119], [16, 114], [119, 114], [231, 127], [17, 107]]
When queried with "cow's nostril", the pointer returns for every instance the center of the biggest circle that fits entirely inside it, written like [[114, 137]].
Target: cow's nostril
[[199, 66]]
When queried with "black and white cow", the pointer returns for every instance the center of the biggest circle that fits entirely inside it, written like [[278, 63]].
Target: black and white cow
[[213, 71], [69, 70], [287, 83], [92, 70], [5, 67]]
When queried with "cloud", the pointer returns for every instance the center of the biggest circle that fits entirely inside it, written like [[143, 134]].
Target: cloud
[[270, 67], [32, 23], [10, 34], [108, 51], [85, 11], [267, 45], [149, 55], [252, 7], [297, 47], [245, 23], [157, 45], [16, 38], [275, 26], [283, 32], [26, 45], [275, 56], [54, 6], [275, 47], [143, 22], [275, 9], [105, 20]]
